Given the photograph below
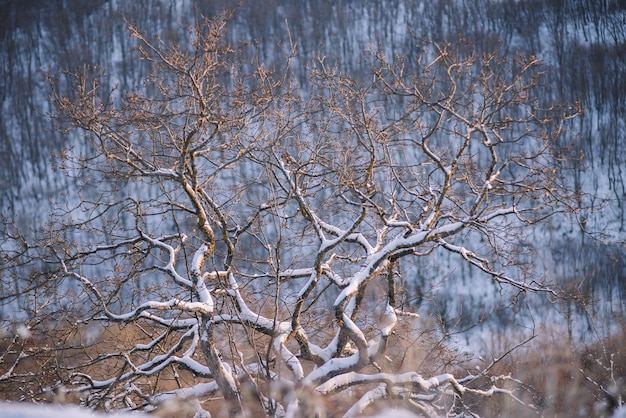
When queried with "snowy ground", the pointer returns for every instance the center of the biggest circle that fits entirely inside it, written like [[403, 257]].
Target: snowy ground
[[27, 410]]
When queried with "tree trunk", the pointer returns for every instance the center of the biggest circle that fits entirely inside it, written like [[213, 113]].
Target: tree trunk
[[222, 376]]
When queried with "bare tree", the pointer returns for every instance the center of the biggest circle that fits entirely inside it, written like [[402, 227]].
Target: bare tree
[[235, 237]]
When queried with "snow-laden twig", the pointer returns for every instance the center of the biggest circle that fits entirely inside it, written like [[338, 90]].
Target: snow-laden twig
[[368, 398]]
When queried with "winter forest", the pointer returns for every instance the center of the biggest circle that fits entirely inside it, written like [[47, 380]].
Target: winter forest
[[313, 208]]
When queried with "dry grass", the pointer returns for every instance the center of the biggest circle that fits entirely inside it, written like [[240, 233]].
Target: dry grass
[[557, 379], [561, 380]]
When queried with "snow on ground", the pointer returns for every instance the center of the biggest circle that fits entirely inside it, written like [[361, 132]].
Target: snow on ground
[[29, 410], [620, 413], [396, 413]]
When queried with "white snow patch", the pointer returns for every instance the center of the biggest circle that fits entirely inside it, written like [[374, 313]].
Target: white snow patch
[[24, 332], [620, 413], [29, 410], [396, 413]]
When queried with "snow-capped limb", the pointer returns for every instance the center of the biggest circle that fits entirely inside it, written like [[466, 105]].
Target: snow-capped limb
[[293, 408], [498, 390], [333, 367], [407, 314], [197, 391], [484, 371], [92, 289], [388, 321], [328, 244], [172, 304], [253, 320], [310, 351], [199, 258], [308, 212], [331, 348], [149, 368], [221, 371], [369, 398], [203, 293], [214, 275], [484, 265], [165, 172], [410, 379], [389, 383], [308, 287], [193, 366], [174, 324], [9, 371], [401, 242], [346, 380], [169, 355], [332, 275], [123, 152], [249, 317], [348, 235], [338, 366], [288, 357], [295, 273], [150, 345], [498, 213], [170, 266], [307, 272], [356, 335], [128, 242]]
